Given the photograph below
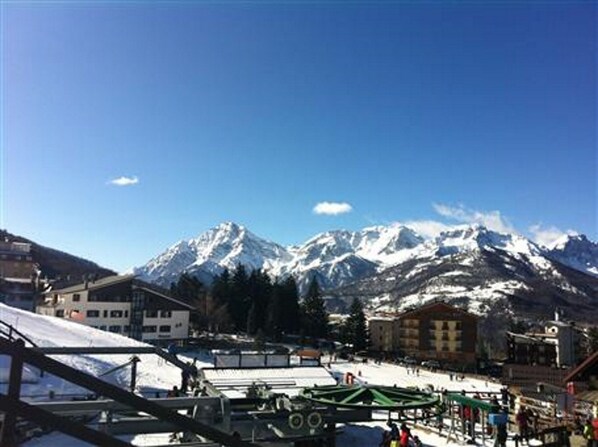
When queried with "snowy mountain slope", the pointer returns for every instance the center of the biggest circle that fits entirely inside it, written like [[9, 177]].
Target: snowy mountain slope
[[482, 278], [221, 247], [393, 266], [335, 257], [577, 252]]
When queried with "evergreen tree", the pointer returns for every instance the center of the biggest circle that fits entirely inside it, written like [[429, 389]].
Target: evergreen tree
[[274, 321], [221, 287], [259, 291], [239, 301], [252, 327], [355, 328], [315, 317], [210, 310], [290, 318]]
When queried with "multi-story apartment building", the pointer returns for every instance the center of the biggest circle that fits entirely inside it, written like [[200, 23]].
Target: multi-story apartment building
[[558, 345], [17, 271], [16, 260], [434, 331], [525, 349], [123, 305], [384, 334]]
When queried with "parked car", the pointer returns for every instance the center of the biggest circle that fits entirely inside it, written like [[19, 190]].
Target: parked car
[[432, 364], [409, 361]]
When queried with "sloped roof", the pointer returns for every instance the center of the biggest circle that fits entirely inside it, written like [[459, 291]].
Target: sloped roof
[[439, 304], [91, 285], [588, 363]]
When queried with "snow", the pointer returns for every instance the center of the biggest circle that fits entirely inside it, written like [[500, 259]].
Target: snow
[[290, 381], [153, 374]]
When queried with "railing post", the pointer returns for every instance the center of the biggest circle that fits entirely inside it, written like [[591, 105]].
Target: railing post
[[7, 436], [134, 361]]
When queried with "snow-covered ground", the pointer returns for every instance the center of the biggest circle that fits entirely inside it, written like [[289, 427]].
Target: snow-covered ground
[[155, 374]]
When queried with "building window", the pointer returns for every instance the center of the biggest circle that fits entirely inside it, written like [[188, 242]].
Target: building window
[[93, 313], [126, 314], [151, 314], [458, 325], [60, 313], [166, 314], [103, 328], [126, 329], [150, 328], [76, 297], [116, 314], [115, 329], [165, 328], [105, 314]]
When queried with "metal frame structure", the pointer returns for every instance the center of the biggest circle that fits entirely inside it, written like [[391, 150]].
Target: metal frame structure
[[461, 400], [12, 405]]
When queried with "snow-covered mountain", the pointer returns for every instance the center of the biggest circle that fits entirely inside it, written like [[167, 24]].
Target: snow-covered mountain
[[393, 267], [576, 251], [221, 247], [483, 270], [335, 257]]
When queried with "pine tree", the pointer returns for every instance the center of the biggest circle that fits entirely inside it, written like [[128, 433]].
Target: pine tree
[[259, 292], [239, 301], [252, 327], [290, 309], [210, 308], [355, 328], [315, 317], [274, 320], [191, 291]]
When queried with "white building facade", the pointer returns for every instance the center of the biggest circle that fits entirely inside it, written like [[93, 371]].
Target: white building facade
[[122, 305]]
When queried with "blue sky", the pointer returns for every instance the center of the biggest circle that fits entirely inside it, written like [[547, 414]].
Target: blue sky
[[256, 112]]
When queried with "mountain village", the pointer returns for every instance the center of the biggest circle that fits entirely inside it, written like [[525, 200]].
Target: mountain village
[[353, 338]]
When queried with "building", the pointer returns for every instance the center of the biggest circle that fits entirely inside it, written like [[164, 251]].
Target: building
[[558, 345], [17, 275], [436, 331], [123, 305], [384, 334], [524, 349], [16, 260]]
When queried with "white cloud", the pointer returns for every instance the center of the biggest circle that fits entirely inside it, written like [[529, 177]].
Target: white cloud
[[428, 229], [547, 236], [492, 220], [124, 181], [332, 208]]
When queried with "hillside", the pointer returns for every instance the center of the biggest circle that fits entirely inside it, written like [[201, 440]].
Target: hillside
[[55, 263]]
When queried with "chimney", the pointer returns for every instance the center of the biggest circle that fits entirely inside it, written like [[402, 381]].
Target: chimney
[[86, 283]]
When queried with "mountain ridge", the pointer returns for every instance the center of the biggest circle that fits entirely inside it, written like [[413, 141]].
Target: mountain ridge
[[500, 266]]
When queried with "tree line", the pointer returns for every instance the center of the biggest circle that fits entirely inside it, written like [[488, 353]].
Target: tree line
[[252, 303]]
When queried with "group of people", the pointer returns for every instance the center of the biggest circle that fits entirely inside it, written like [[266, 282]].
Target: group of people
[[395, 437]]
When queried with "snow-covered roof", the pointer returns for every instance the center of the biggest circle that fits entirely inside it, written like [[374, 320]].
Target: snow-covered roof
[[90, 285], [234, 382]]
